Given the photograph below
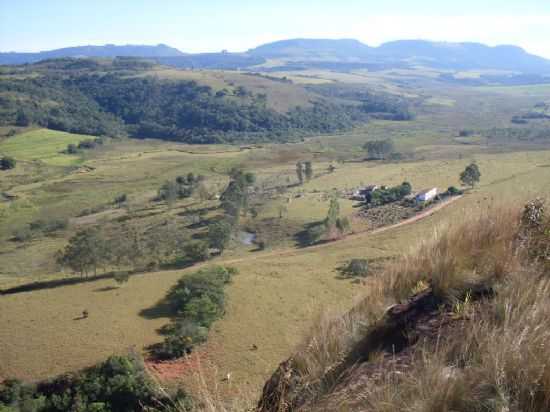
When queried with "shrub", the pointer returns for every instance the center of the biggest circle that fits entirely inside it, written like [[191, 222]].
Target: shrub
[[197, 300], [180, 339], [357, 267], [121, 277], [72, 149], [23, 234], [7, 163], [314, 234], [120, 384], [196, 251], [49, 225], [219, 234], [121, 199]]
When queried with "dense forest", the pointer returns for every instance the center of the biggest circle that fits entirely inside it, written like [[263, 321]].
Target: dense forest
[[80, 96]]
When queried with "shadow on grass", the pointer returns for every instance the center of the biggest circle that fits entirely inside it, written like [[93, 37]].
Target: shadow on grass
[[106, 289], [161, 309], [57, 283]]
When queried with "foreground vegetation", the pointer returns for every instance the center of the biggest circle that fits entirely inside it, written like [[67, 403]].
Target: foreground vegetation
[[487, 281]]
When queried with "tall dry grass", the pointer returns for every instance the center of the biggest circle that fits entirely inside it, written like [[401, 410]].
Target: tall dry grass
[[459, 257]]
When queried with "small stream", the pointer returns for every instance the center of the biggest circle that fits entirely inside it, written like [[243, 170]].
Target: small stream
[[246, 238]]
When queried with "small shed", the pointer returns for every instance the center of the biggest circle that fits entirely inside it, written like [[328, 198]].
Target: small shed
[[426, 195]]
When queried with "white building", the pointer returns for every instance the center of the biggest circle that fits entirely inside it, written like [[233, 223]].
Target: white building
[[426, 195]]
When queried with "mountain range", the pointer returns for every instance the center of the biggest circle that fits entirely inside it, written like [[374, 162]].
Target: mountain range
[[295, 54]]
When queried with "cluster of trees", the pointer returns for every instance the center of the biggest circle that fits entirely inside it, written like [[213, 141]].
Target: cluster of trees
[[379, 149], [85, 145], [113, 104], [332, 227], [196, 301], [386, 195], [304, 171], [7, 163], [119, 384], [91, 250], [183, 187], [234, 202], [378, 105], [45, 226]]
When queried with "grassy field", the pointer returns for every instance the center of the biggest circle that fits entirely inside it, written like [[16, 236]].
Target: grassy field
[[278, 292], [43, 145]]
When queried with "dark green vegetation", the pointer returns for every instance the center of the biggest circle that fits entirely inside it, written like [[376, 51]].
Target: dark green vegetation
[[379, 149], [120, 384], [332, 227], [81, 96], [356, 268], [385, 195], [470, 176], [195, 302], [7, 163]]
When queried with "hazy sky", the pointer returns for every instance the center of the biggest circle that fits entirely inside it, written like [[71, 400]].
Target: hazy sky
[[237, 25]]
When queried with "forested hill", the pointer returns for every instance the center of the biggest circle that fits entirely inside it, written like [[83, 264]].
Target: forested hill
[[120, 98]]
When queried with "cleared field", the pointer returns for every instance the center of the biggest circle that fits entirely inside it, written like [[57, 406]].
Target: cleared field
[[281, 96], [44, 145], [281, 288]]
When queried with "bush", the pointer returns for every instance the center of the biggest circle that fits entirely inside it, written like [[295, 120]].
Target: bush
[[196, 251], [120, 384], [22, 234], [180, 340], [49, 225], [72, 149], [357, 267], [197, 300], [219, 234], [121, 277], [453, 191], [314, 234], [120, 199], [7, 163]]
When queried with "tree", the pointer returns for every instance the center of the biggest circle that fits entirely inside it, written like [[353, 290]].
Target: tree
[[7, 163], [333, 213], [72, 149], [234, 199], [22, 119], [300, 172], [196, 251], [87, 250], [379, 149], [308, 171], [331, 168], [219, 234], [169, 192], [470, 176], [121, 277]]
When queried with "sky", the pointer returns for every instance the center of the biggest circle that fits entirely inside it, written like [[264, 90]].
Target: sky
[[237, 25]]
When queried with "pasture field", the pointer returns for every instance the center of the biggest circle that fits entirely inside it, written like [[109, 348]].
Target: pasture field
[[279, 290], [43, 145], [283, 287]]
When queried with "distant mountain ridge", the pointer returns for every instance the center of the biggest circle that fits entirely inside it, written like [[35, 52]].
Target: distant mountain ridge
[[343, 54], [108, 50]]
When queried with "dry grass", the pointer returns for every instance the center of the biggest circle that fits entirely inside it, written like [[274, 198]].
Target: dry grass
[[501, 364]]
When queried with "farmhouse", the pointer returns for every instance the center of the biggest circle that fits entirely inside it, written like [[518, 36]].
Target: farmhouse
[[426, 195]]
